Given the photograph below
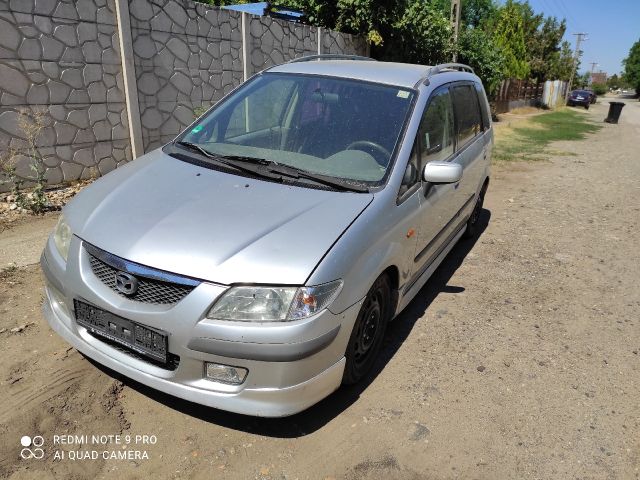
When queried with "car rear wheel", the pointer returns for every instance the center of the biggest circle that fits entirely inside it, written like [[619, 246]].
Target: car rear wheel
[[472, 223], [368, 332]]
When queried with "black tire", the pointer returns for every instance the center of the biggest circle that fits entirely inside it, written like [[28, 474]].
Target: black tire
[[472, 223], [586, 107], [368, 331]]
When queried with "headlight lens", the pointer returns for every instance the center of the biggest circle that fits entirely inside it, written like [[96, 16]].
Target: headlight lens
[[62, 237], [273, 304]]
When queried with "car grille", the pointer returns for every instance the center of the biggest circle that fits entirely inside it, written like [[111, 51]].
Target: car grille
[[150, 290]]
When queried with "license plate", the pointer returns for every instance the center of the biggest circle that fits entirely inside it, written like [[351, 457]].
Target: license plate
[[139, 338]]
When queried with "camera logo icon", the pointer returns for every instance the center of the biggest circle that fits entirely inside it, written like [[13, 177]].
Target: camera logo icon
[[27, 451]]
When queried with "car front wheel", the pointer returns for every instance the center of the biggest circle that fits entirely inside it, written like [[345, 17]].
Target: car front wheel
[[368, 332]]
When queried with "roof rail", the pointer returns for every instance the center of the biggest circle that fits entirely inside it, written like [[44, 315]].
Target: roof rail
[[443, 67], [329, 56], [450, 66]]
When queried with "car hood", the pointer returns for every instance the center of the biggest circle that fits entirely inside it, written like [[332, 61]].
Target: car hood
[[169, 214]]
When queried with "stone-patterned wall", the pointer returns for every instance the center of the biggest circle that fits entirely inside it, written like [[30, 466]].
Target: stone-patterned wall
[[274, 41], [187, 55], [62, 57], [338, 42]]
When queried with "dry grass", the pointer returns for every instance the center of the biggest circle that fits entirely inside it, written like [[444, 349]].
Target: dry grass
[[528, 137]]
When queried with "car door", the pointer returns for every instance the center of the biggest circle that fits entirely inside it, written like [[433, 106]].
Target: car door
[[470, 148], [436, 142]]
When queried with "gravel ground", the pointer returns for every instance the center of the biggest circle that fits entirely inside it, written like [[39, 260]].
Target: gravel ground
[[519, 359]]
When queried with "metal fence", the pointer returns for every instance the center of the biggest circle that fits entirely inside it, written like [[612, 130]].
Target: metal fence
[[514, 93]]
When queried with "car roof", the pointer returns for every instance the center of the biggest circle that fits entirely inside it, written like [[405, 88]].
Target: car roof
[[391, 73]]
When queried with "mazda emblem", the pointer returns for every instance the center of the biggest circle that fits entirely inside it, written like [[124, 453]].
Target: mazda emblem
[[126, 283]]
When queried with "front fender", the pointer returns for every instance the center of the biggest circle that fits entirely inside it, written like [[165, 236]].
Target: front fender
[[377, 240]]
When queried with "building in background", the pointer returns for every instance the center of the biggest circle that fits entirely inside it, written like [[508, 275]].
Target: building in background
[[598, 77]]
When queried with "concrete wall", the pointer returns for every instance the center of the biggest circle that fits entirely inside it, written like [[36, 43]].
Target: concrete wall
[[63, 56]]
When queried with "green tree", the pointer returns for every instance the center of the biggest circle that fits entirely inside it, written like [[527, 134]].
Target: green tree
[[474, 13], [613, 81], [545, 50], [632, 67], [422, 35], [560, 63], [509, 35], [581, 81], [479, 50]]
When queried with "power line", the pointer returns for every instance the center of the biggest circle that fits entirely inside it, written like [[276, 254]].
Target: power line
[[565, 12], [551, 11]]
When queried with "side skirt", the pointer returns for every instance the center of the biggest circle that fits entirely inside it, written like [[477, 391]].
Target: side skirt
[[422, 279]]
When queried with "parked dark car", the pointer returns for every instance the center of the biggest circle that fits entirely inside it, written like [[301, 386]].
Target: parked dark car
[[593, 94], [579, 97]]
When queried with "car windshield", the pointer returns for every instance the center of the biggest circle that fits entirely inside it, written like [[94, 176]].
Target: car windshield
[[335, 127]]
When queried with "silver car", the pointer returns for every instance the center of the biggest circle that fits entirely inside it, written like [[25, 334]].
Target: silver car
[[253, 263]]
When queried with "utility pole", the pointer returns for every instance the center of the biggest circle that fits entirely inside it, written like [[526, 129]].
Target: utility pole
[[455, 24], [593, 68], [581, 36]]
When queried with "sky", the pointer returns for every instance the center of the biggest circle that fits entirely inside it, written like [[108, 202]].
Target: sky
[[612, 26]]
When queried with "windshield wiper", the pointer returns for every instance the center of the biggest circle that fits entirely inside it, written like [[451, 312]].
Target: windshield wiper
[[295, 172], [274, 170], [260, 171], [323, 179]]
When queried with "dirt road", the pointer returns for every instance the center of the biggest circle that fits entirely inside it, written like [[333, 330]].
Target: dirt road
[[519, 359]]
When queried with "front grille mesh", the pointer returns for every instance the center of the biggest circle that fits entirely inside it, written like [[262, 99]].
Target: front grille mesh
[[149, 290]]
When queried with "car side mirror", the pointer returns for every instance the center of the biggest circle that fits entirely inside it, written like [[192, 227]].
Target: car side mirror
[[442, 172]]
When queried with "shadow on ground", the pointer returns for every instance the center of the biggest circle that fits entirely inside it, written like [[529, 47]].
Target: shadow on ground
[[320, 414]]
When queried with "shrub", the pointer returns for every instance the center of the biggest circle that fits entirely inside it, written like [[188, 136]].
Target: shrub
[[31, 123]]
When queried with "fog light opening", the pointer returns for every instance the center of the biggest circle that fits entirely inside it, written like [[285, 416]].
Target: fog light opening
[[225, 373]]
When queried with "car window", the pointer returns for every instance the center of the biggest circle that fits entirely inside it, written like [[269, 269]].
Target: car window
[[343, 128], [467, 113], [260, 112], [412, 172], [484, 106], [436, 128]]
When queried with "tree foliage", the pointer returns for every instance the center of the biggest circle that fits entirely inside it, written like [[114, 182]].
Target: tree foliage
[[478, 49], [423, 35], [560, 64], [508, 28], [549, 57], [632, 67], [499, 41]]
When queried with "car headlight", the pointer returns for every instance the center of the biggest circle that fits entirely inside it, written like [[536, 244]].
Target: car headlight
[[62, 237], [273, 304]]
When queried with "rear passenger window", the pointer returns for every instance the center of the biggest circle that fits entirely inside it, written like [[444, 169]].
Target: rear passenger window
[[484, 106], [467, 110], [436, 128]]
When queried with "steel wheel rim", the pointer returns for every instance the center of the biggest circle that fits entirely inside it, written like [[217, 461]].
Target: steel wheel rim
[[368, 328]]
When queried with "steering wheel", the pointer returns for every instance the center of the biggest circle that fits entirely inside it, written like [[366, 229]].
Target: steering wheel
[[366, 145]]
